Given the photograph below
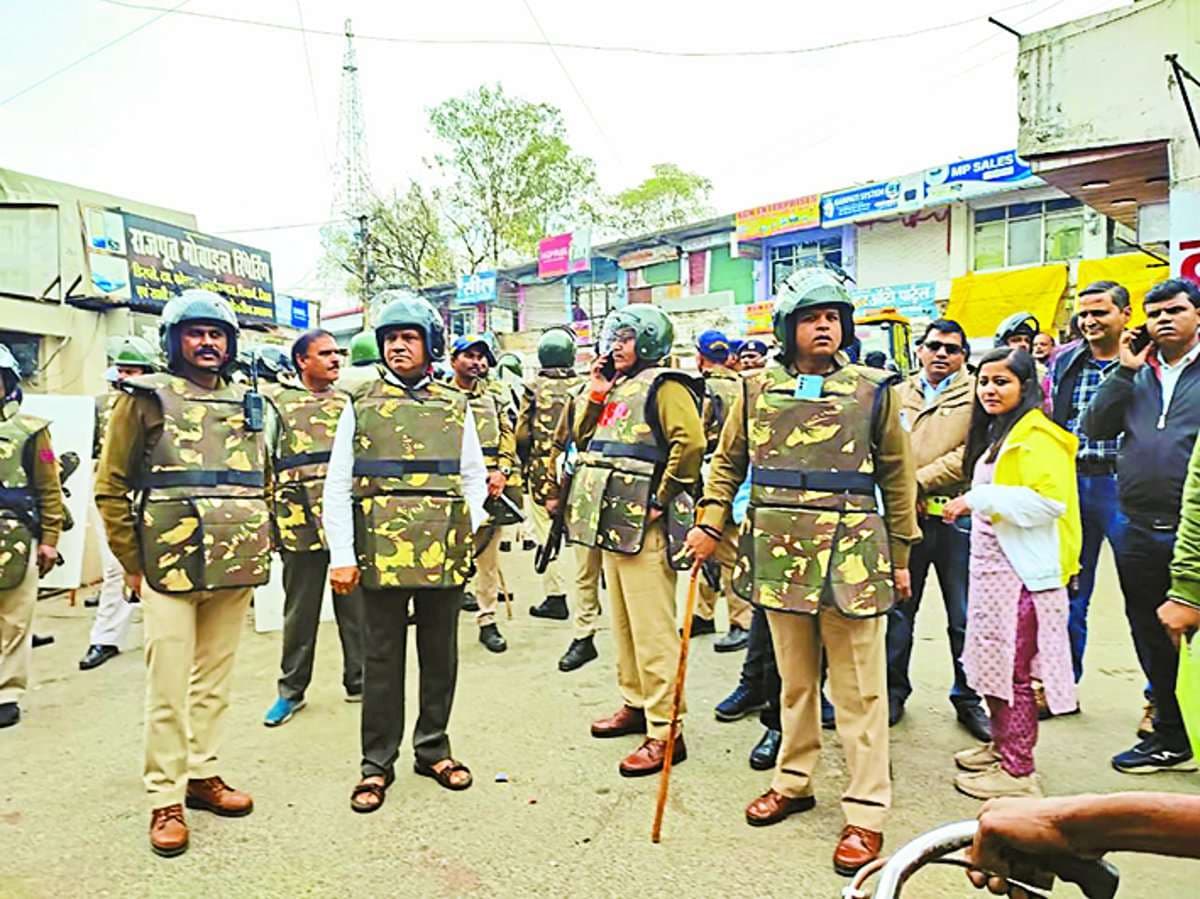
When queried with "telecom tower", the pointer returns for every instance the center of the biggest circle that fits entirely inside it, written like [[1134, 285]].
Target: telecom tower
[[351, 180]]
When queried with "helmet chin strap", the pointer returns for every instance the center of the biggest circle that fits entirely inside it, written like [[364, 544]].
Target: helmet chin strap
[[11, 405]]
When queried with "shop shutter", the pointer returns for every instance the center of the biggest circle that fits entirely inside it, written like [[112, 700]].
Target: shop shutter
[[697, 268]]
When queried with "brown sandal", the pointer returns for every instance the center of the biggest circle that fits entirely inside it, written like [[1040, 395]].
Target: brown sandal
[[443, 776], [365, 788]]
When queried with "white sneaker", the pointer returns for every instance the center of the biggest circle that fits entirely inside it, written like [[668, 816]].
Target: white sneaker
[[977, 758], [996, 783]]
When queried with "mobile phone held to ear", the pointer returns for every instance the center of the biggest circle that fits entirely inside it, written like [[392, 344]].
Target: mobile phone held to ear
[[1141, 339], [608, 369]]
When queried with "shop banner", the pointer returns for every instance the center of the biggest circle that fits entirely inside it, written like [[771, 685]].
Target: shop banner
[[564, 254], [873, 200], [72, 420], [779, 218], [477, 287], [293, 312], [917, 300], [133, 258], [758, 317], [978, 177]]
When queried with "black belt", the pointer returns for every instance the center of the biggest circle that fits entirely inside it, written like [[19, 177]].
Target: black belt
[[822, 481], [616, 450], [398, 468], [295, 461], [1095, 467], [209, 478]]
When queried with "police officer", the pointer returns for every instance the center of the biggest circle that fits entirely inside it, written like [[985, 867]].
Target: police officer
[[189, 443], [114, 613], [364, 361], [31, 519], [641, 444], [722, 386], [752, 355], [471, 357], [403, 495], [308, 409], [542, 404], [815, 551]]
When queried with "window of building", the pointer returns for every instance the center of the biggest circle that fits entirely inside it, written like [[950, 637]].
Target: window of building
[[25, 348], [1028, 234], [785, 260], [1121, 238]]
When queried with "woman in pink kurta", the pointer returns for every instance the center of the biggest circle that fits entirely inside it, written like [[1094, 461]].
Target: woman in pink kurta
[[1024, 524]]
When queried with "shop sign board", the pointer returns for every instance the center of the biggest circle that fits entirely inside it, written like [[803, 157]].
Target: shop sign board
[[778, 218], [132, 258], [1185, 234], [983, 175], [294, 312], [477, 287], [917, 300], [758, 317], [647, 256], [873, 200], [564, 254]]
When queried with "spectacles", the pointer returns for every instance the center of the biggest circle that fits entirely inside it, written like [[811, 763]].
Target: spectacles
[[934, 346]]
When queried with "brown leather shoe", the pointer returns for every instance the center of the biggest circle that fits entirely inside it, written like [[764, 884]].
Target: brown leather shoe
[[168, 832], [648, 758], [772, 807], [856, 847], [626, 720], [214, 795]]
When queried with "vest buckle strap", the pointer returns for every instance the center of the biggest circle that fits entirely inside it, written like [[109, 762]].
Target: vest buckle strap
[[299, 459], [398, 468], [617, 450], [853, 482], [202, 478]]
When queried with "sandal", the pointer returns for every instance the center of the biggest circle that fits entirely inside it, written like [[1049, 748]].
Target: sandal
[[365, 788], [443, 776]]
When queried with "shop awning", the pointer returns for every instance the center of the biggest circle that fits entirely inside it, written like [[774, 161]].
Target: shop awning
[[980, 301]]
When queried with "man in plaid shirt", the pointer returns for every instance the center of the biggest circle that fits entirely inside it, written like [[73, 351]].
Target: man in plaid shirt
[[1075, 376]]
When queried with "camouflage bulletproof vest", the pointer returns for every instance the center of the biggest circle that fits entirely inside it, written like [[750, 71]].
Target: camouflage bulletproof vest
[[618, 472], [549, 394], [720, 392], [18, 500], [813, 533], [204, 522], [412, 528], [104, 407], [487, 405], [307, 423]]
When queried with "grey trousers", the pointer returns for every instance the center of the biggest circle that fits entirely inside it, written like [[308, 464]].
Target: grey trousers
[[305, 580], [386, 643]]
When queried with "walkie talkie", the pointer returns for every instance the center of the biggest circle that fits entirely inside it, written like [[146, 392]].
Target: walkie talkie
[[252, 402]]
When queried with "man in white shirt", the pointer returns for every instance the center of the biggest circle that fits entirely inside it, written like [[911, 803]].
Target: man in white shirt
[[403, 495]]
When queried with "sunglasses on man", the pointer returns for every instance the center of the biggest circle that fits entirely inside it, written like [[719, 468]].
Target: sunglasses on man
[[935, 346]]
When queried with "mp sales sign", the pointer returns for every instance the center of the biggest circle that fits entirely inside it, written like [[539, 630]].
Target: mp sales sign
[[978, 177]]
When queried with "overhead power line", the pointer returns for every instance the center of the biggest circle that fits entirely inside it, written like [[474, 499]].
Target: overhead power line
[[565, 45], [163, 12], [294, 227]]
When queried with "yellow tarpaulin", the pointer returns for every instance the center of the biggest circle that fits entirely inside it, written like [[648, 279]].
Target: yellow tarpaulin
[[1137, 272], [980, 301]]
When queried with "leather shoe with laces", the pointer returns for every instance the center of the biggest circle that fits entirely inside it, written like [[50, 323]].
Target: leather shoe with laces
[[490, 637], [211, 794], [735, 640], [856, 847], [772, 807], [96, 655], [581, 651], [701, 626], [626, 720], [168, 832], [648, 758], [553, 607], [470, 603], [738, 704], [766, 750], [976, 722]]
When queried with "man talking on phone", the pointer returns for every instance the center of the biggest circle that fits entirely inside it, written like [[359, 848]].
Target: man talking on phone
[[1152, 402]]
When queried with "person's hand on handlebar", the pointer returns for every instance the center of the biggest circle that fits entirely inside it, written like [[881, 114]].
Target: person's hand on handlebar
[[1008, 827]]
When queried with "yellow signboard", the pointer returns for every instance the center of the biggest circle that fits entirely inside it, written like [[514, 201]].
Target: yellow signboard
[[758, 317], [779, 218]]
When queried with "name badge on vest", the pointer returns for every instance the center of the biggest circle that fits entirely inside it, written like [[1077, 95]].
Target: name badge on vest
[[808, 387]]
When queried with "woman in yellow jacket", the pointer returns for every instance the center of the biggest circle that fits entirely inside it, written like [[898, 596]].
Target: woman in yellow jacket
[[1025, 540]]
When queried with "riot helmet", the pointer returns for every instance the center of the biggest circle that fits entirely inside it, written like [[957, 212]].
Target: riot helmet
[[821, 285], [404, 309], [195, 306]]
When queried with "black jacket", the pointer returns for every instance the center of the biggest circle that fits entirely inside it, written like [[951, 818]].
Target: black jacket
[[1156, 448], [1064, 375]]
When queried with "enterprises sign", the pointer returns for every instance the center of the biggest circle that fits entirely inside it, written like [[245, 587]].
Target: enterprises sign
[[147, 262], [565, 254], [978, 177], [475, 288], [778, 218]]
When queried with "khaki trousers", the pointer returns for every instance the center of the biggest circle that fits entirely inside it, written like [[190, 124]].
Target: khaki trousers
[[486, 582], [191, 641], [587, 590], [16, 633], [740, 611], [856, 651], [553, 581], [641, 591]]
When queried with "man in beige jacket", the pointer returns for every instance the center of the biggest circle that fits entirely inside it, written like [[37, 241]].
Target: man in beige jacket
[[935, 405]]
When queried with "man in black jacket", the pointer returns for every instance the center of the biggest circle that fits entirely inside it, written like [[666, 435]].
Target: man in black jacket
[[1153, 400]]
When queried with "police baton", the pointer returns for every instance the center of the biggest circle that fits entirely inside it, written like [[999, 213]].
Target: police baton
[[664, 780]]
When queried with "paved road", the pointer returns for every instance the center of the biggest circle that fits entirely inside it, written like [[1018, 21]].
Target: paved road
[[73, 823]]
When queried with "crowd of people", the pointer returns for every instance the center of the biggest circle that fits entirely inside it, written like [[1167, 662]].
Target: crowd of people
[[814, 494]]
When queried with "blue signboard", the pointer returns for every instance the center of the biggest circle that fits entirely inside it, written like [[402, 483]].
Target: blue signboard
[[978, 177], [478, 287], [294, 312], [872, 200]]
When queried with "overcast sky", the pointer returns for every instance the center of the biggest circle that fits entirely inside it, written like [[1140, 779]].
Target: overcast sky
[[220, 119]]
